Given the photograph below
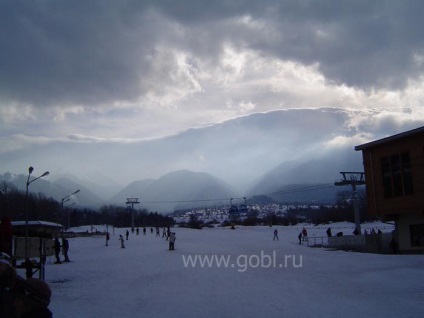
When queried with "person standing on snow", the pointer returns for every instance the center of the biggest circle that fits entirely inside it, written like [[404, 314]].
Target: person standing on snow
[[121, 238], [107, 239], [305, 234], [57, 250], [276, 235], [65, 249], [172, 239]]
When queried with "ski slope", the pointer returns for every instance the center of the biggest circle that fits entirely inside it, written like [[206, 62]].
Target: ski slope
[[233, 273]]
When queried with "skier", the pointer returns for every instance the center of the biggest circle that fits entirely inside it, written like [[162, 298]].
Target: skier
[[57, 250], [300, 238], [65, 249], [276, 235], [172, 239], [144, 231], [107, 239], [164, 232], [127, 234], [328, 232], [157, 231], [138, 231], [305, 234], [121, 238]]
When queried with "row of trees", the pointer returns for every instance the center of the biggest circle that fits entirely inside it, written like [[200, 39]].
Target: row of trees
[[40, 207], [13, 205], [122, 217]]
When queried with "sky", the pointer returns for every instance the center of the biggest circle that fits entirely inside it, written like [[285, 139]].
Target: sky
[[256, 276], [124, 72]]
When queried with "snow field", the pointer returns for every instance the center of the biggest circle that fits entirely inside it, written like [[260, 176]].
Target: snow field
[[147, 280]]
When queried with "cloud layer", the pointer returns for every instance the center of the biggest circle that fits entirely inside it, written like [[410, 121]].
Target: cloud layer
[[130, 71]]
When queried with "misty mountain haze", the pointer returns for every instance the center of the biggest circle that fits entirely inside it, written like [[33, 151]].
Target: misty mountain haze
[[185, 189], [238, 151], [315, 171], [179, 188], [249, 155]]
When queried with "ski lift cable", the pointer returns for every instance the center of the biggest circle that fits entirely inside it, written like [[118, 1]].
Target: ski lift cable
[[301, 189], [309, 188]]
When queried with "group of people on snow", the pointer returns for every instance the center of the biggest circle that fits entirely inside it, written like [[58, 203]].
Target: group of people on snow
[[64, 248], [166, 233]]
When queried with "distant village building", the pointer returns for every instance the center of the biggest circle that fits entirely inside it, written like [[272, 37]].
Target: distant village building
[[394, 173]]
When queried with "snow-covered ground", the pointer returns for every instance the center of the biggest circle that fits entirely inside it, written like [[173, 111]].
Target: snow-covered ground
[[248, 275]]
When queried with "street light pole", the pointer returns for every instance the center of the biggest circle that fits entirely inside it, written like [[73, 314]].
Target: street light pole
[[68, 224], [30, 170], [65, 199]]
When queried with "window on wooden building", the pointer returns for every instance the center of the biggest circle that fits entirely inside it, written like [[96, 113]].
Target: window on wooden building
[[397, 175]]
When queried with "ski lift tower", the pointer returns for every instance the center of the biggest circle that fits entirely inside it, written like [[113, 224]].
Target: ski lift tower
[[353, 179], [132, 201]]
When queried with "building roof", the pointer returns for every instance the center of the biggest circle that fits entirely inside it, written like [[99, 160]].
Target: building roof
[[32, 223], [390, 138]]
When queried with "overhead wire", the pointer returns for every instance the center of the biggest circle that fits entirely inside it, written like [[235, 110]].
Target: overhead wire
[[288, 191]]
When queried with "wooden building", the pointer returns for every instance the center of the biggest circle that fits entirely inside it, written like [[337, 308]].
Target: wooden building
[[37, 229], [394, 173]]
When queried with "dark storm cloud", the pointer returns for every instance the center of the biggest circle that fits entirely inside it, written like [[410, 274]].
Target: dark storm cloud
[[359, 43], [96, 52], [70, 51]]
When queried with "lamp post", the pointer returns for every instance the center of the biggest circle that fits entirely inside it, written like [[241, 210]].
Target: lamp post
[[68, 216], [65, 199], [30, 170]]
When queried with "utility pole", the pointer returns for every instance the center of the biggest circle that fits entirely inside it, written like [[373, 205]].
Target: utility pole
[[353, 179], [132, 201]]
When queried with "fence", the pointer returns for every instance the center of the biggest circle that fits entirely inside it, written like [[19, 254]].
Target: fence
[[371, 243], [317, 241]]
